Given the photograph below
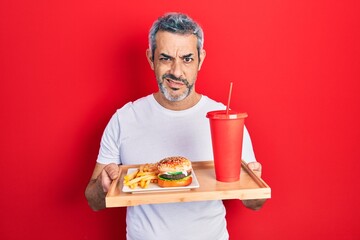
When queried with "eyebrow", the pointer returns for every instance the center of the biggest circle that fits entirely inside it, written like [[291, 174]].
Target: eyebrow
[[165, 55], [184, 56], [187, 55]]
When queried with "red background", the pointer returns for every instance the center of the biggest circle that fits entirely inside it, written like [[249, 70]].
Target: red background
[[66, 66]]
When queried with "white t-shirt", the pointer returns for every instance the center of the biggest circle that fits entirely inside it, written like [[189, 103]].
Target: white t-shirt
[[143, 132]]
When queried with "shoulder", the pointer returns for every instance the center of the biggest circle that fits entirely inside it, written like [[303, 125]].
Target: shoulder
[[212, 104], [135, 106]]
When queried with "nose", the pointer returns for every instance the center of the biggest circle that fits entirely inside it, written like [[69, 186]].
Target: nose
[[176, 69]]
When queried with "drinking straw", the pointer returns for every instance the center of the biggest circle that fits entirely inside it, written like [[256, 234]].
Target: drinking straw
[[229, 97]]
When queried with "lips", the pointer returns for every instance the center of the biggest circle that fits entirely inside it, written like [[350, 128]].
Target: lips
[[174, 84]]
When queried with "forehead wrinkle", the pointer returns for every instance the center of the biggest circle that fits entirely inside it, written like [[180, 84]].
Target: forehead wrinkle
[[176, 45]]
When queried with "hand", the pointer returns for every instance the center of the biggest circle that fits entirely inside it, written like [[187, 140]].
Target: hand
[[99, 184], [254, 204], [256, 168], [107, 175]]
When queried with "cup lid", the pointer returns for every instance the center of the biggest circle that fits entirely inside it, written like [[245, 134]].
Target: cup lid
[[221, 114]]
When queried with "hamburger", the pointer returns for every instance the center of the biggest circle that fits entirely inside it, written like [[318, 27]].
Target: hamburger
[[174, 172]]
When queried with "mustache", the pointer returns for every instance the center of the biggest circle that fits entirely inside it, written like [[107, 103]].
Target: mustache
[[173, 77]]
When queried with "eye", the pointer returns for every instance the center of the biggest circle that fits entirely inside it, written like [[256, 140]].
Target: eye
[[165, 59], [188, 59]]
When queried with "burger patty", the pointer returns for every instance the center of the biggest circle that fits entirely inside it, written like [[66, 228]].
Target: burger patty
[[175, 175]]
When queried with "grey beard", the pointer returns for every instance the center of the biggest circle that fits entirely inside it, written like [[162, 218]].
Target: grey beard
[[166, 93], [175, 98]]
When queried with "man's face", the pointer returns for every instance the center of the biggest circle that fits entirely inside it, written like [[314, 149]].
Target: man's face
[[176, 64]]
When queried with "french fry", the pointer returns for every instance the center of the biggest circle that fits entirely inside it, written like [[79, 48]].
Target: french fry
[[131, 176], [142, 183], [145, 174], [146, 183], [142, 177], [135, 180]]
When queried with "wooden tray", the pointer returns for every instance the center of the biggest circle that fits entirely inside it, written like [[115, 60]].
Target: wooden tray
[[248, 187]]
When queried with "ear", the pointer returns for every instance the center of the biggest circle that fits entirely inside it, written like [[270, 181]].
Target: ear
[[202, 57], [149, 58]]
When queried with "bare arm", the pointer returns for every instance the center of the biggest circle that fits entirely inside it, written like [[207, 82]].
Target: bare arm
[[99, 184], [255, 204]]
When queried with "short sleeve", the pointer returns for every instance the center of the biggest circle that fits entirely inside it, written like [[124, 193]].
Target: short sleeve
[[110, 142]]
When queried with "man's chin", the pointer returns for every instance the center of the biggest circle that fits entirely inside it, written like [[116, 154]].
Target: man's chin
[[170, 96], [175, 98]]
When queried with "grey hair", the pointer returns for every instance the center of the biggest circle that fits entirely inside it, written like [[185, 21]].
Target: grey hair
[[176, 23]]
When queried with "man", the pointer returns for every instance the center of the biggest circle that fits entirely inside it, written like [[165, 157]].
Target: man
[[170, 122]]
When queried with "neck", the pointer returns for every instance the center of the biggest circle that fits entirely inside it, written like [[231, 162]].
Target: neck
[[187, 103]]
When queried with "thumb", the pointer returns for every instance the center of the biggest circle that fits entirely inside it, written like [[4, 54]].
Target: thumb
[[112, 170], [255, 167]]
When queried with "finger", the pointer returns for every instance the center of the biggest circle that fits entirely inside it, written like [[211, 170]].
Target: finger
[[105, 181], [255, 166], [112, 170], [109, 173]]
